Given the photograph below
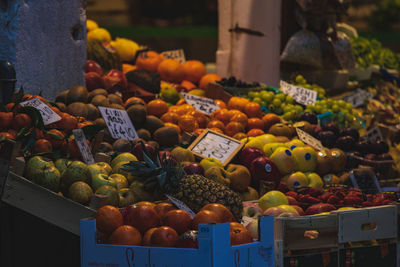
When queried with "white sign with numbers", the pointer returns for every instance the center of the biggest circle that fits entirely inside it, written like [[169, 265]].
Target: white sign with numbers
[[373, 135], [301, 95], [48, 115], [83, 146], [309, 140], [358, 98], [178, 55], [203, 104], [118, 123]]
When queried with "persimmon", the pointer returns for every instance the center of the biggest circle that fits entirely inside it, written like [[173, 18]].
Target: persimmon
[[194, 70], [253, 110], [201, 119], [255, 132], [233, 128], [55, 137], [255, 123], [237, 103], [208, 78], [126, 235], [220, 103], [216, 124], [171, 70], [67, 122], [240, 117], [221, 115], [5, 120], [149, 60]]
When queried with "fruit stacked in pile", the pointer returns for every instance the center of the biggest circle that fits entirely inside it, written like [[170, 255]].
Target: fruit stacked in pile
[[162, 225]]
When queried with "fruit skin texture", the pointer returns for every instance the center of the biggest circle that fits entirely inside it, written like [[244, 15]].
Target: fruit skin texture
[[171, 70], [239, 234], [205, 216], [284, 160], [42, 146], [264, 169], [179, 220], [126, 235], [20, 121], [5, 120], [164, 236], [143, 218], [48, 177], [108, 218], [208, 78], [223, 212], [318, 208], [194, 70], [306, 158], [76, 171], [272, 199], [149, 61], [80, 192]]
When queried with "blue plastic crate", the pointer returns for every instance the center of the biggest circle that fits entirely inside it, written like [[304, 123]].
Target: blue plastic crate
[[214, 250]]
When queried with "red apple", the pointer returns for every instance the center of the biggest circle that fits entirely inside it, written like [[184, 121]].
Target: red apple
[[143, 218], [178, 219], [299, 209], [189, 239], [223, 212], [263, 168], [164, 236], [93, 81], [137, 151], [115, 78], [203, 217], [163, 207], [93, 66], [193, 168], [248, 154], [239, 234]]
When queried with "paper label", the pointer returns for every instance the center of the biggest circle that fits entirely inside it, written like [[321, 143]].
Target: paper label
[[118, 123], [83, 146], [358, 98], [48, 115], [203, 104], [246, 220], [373, 135], [216, 146], [182, 206], [178, 55], [300, 95], [309, 140]]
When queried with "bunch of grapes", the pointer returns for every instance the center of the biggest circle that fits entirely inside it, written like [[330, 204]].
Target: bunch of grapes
[[301, 81]]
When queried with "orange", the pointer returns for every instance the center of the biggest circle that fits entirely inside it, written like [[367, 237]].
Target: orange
[[170, 117], [20, 121], [220, 103], [173, 125], [126, 235], [188, 123], [233, 128], [218, 130], [253, 110], [67, 122], [240, 136], [240, 117], [194, 70], [127, 68], [216, 124], [174, 109], [157, 107], [42, 146], [255, 123], [237, 103], [108, 218], [201, 119], [188, 85], [149, 61], [221, 115], [255, 132], [52, 135], [171, 70], [184, 109], [208, 78]]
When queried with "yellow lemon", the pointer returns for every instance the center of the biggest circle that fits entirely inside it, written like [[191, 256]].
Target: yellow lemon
[[125, 48], [99, 34], [91, 25], [197, 92]]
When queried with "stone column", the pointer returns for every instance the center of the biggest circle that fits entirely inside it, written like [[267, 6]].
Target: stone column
[[45, 40]]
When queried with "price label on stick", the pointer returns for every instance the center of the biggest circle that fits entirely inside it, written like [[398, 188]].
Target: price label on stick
[[182, 206], [309, 140], [118, 123], [203, 104], [373, 135], [48, 115], [358, 98], [83, 146], [178, 55], [301, 95]]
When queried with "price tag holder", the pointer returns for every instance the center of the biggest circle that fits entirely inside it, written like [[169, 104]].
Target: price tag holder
[[301, 95], [83, 146], [365, 180], [178, 55], [118, 123], [48, 115], [309, 140], [182, 206], [215, 145], [373, 135], [203, 104], [358, 98]]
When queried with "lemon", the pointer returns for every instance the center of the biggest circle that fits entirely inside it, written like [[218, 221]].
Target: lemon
[[99, 34], [170, 95], [91, 25], [126, 48], [197, 92]]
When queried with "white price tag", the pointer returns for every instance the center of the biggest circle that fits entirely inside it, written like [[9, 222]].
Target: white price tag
[[309, 140], [182, 206], [118, 123], [48, 115], [358, 98], [83, 146], [178, 55], [203, 104], [246, 220], [301, 95], [373, 135]]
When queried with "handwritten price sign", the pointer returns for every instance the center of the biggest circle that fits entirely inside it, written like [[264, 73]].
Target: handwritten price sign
[[178, 55], [358, 98], [48, 115], [203, 104], [83, 146], [300, 95], [215, 145], [309, 140], [373, 135], [118, 123]]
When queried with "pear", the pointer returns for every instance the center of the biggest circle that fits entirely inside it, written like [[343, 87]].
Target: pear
[[217, 174], [182, 154]]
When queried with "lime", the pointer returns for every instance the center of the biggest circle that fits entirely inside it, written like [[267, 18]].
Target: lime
[[170, 95]]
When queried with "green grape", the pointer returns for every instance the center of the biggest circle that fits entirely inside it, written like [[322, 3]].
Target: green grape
[[341, 103], [276, 102], [257, 100], [289, 99], [268, 97], [335, 108], [310, 107], [329, 102], [318, 109], [278, 110], [306, 86], [300, 79], [298, 108], [308, 110], [287, 108], [349, 106], [251, 94], [287, 116], [322, 102], [280, 96]]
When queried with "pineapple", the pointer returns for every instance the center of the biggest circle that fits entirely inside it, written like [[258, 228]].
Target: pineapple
[[162, 177]]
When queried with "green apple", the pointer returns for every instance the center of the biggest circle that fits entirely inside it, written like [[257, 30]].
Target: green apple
[[120, 180], [266, 139], [284, 160], [239, 177], [254, 143], [126, 197], [95, 169], [271, 147], [111, 193], [297, 179], [48, 177], [271, 199], [126, 156], [118, 169], [288, 208], [62, 164], [34, 164], [76, 171], [80, 192], [137, 188], [182, 154], [210, 162], [105, 166], [101, 179], [315, 180], [250, 194], [217, 174], [306, 158], [292, 144]]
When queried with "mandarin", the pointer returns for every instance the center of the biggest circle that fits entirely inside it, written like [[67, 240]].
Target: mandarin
[[237, 103], [216, 124], [149, 60], [170, 117], [171, 70], [157, 107], [240, 117], [187, 123], [208, 78], [194, 70]]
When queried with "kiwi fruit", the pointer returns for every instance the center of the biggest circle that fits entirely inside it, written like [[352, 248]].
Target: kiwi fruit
[[166, 136], [61, 106], [137, 114], [62, 97], [116, 106], [97, 92], [134, 101], [100, 121], [152, 123], [144, 134], [122, 145], [115, 99], [77, 94], [93, 112], [100, 100], [78, 109]]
